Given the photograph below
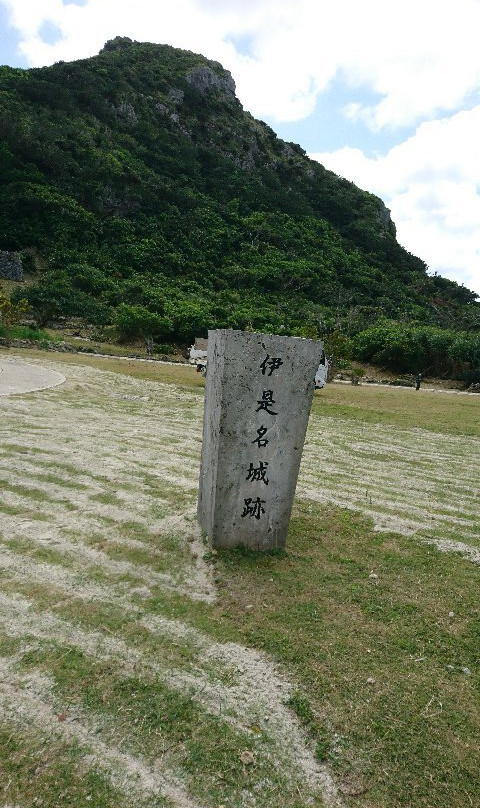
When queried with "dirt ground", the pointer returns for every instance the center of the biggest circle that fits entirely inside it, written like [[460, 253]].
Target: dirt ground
[[20, 377], [100, 553], [98, 495]]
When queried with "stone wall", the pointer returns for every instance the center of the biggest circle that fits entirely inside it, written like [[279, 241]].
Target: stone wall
[[10, 266]]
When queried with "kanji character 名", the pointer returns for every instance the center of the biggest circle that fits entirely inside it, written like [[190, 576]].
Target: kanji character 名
[[270, 363], [260, 440], [253, 507], [267, 400], [258, 474]]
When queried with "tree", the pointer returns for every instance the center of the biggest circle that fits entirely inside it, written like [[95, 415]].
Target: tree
[[11, 314], [337, 346], [134, 322]]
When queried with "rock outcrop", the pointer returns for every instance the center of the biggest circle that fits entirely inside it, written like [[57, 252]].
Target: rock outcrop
[[204, 79], [11, 268]]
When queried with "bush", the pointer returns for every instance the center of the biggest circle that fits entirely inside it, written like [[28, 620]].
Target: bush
[[32, 334], [416, 348], [11, 312], [356, 374], [54, 297], [90, 280], [135, 322], [164, 348], [190, 319]]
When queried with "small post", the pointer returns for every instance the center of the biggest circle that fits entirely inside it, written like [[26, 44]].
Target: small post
[[257, 402]]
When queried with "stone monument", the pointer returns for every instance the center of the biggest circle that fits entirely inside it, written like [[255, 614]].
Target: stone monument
[[257, 402]]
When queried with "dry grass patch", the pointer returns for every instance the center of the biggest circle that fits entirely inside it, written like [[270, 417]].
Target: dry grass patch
[[109, 615], [100, 597]]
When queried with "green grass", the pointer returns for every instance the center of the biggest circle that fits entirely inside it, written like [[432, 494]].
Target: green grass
[[107, 498], [24, 332], [447, 413], [139, 714], [12, 510], [36, 495], [144, 717], [60, 480], [50, 773], [378, 633], [26, 491], [380, 663], [46, 554]]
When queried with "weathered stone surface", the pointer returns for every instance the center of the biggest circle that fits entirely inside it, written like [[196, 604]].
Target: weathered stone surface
[[204, 79], [126, 111], [11, 268], [385, 220], [176, 95], [258, 395]]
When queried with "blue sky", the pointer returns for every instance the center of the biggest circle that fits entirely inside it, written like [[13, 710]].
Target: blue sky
[[385, 94], [327, 128], [9, 41]]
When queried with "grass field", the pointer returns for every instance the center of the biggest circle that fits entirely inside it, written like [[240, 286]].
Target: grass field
[[139, 669]]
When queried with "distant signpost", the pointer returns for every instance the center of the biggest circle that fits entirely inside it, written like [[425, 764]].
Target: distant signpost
[[257, 402]]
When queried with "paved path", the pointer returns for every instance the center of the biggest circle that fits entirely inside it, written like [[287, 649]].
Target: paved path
[[19, 377]]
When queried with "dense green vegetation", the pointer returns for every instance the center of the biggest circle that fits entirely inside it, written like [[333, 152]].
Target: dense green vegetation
[[412, 348], [144, 197]]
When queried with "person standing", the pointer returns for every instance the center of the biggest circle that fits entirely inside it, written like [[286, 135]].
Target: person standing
[[418, 381]]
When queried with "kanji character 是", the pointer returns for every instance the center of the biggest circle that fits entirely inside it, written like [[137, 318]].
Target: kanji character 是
[[267, 400]]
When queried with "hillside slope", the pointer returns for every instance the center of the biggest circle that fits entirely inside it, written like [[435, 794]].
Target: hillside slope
[[139, 190]]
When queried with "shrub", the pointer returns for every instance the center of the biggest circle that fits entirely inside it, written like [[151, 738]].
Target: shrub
[[190, 319], [54, 296], [417, 348], [32, 334], [134, 322], [11, 313]]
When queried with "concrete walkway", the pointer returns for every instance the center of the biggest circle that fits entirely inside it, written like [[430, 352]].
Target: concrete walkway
[[19, 377]]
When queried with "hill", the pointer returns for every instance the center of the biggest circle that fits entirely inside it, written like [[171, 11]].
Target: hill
[[142, 195]]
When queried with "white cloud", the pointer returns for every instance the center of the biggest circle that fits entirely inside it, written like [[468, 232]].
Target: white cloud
[[431, 183], [419, 57]]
